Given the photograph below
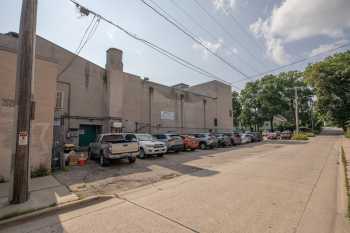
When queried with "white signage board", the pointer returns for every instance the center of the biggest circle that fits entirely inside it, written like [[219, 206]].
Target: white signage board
[[23, 138], [167, 115], [117, 124]]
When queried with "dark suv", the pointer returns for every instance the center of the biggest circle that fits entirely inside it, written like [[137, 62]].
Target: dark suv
[[173, 141]]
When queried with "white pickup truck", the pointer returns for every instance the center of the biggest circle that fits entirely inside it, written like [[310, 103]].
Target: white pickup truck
[[113, 146]]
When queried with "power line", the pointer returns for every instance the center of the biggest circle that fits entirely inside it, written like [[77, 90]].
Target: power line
[[211, 34], [227, 32], [155, 47], [241, 27], [88, 33], [196, 40], [297, 61]]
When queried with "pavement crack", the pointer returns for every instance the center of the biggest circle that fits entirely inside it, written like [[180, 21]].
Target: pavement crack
[[161, 215]]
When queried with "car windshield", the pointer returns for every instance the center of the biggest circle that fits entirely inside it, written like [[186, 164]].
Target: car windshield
[[175, 136], [144, 137]]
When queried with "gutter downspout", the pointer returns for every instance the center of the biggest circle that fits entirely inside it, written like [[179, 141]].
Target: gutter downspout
[[69, 100]]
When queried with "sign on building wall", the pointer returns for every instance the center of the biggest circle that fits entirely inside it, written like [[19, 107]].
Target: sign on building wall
[[117, 124], [167, 115]]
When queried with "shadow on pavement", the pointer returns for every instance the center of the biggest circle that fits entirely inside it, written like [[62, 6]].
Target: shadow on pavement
[[93, 179], [285, 142]]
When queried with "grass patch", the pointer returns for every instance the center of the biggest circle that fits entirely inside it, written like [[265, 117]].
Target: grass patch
[[310, 134], [300, 137], [347, 133], [347, 183], [41, 171]]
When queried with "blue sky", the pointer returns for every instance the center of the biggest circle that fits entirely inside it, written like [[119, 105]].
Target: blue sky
[[270, 33]]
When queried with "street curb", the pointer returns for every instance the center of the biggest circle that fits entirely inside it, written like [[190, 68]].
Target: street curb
[[67, 205], [341, 224]]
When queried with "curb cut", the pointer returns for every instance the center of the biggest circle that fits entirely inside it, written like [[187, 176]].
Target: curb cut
[[59, 207]]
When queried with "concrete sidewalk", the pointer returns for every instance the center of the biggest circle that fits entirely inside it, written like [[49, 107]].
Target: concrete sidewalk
[[44, 192]]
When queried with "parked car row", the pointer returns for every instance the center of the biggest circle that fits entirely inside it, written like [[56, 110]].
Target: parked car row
[[131, 145], [285, 135]]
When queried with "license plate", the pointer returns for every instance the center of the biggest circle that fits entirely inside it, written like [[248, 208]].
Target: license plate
[[120, 155]]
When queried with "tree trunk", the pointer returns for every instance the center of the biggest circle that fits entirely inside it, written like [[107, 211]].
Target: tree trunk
[[271, 124]]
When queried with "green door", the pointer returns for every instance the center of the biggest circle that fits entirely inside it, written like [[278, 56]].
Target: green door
[[87, 134]]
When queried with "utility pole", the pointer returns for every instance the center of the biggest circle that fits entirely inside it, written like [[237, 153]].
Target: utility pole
[[24, 107], [296, 110], [312, 115]]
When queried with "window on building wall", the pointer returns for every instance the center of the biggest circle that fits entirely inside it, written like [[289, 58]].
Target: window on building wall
[[230, 113], [59, 100]]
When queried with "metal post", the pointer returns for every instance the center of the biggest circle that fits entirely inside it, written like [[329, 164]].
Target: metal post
[[296, 111], [24, 106], [312, 115]]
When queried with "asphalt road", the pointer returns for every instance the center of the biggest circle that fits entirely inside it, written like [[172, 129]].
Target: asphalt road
[[271, 187]]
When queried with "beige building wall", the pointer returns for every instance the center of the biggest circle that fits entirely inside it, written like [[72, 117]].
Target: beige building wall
[[99, 97], [41, 128]]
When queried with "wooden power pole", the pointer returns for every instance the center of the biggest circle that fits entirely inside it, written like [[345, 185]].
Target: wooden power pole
[[23, 98]]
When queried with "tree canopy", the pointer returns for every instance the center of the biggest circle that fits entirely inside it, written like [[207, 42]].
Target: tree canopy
[[331, 81], [273, 95], [327, 83]]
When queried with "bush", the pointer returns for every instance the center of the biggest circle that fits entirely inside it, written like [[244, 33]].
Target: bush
[[300, 136], [41, 171], [347, 133], [310, 134]]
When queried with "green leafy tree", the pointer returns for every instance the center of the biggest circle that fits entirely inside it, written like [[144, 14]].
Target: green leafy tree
[[274, 95], [236, 108], [331, 81], [271, 98], [250, 116]]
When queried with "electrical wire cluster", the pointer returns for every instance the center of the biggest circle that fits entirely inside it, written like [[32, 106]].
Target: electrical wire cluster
[[90, 30]]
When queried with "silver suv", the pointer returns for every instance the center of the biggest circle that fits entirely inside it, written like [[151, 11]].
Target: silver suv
[[206, 140]]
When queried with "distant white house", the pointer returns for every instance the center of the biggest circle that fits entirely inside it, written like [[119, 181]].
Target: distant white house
[[277, 121]]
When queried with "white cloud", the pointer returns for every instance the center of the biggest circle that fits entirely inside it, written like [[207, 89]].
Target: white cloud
[[274, 45], [299, 19], [325, 47], [224, 5], [231, 51], [213, 46]]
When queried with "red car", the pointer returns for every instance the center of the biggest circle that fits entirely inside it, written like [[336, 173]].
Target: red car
[[287, 135], [272, 135], [190, 142]]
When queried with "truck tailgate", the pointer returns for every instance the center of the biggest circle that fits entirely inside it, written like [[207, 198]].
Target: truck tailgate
[[124, 147]]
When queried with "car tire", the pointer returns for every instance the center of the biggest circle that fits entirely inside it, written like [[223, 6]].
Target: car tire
[[132, 159], [103, 161], [160, 155], [202, 146], [89, 155], [193, 149], [142, 154]]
